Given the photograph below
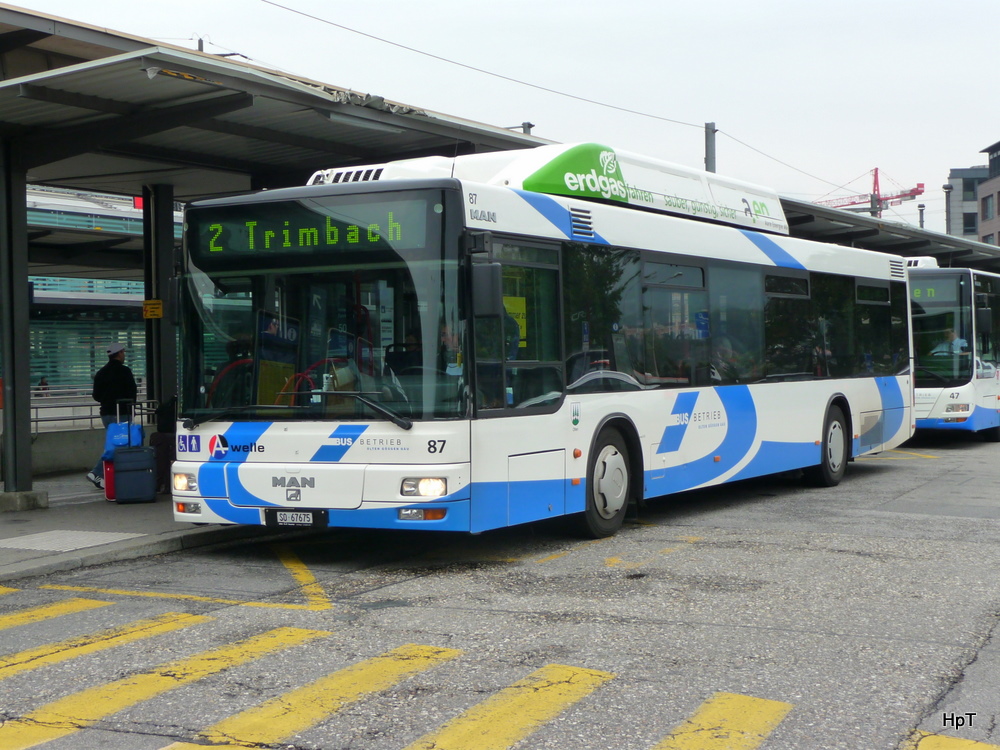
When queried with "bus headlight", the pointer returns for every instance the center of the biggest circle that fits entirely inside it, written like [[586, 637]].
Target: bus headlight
[[424, 487], [185, 482], [952, 408]]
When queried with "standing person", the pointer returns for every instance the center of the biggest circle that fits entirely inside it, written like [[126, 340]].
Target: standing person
[[115, 389]]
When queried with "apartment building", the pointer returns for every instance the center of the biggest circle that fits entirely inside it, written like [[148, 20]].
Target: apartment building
[[962, 202], [988, 196]]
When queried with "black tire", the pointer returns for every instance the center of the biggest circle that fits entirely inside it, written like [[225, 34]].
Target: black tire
[[991, 434], [835, 451], [609, 486]]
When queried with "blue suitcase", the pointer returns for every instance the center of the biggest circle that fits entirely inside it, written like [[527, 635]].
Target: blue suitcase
[[135, 475]]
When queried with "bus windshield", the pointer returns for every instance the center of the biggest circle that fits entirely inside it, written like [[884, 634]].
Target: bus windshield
[[942, 330], [332, 307]]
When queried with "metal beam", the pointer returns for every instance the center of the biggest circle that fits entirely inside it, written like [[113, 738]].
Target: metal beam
[[13, 40], [267, 135], [159, 261], [47, 145], [15, 352], [904, 247], [190, 159], [850, 235], [794, 221], [69, 30], [71, 99]]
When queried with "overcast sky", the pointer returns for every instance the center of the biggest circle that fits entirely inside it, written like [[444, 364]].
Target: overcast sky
[[808, 96]]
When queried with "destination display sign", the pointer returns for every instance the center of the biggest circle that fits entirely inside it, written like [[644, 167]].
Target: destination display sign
[[296, 227]]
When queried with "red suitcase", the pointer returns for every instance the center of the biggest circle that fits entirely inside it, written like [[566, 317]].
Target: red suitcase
[[109, 480]]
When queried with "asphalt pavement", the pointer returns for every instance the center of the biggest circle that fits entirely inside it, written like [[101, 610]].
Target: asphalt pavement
[[80, 528]]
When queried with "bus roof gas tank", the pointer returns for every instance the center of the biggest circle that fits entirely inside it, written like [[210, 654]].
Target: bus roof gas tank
[[591, 171]]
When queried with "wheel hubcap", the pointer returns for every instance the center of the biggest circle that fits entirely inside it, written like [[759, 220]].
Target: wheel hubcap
[[611, 482], [835, 446]]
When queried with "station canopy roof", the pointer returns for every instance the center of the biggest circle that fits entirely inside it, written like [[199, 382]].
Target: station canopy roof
[[90, 109], [835, 225], [123, 112]]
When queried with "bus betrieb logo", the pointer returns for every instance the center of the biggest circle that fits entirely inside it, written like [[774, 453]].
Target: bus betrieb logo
[[218, 446]]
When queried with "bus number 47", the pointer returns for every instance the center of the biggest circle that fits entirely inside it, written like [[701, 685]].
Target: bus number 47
[[436, 446]]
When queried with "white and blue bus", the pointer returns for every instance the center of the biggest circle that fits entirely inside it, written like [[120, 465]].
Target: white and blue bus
[[956, 321], [472, 343]]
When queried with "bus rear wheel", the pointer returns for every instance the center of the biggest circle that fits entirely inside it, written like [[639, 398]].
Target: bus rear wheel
[[609, 486], [834, 455]]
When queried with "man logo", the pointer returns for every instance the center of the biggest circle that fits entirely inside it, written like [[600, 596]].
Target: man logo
[[218, 446]]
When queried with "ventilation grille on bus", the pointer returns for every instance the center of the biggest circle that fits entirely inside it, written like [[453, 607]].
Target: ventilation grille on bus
[[897, 269], [335, 176], [581, 223]]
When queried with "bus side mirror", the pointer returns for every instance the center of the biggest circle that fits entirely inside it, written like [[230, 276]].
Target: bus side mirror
[[487, 290], [984, 320], [476, 243]]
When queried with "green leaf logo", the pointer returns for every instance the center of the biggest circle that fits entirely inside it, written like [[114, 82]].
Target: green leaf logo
[[587, 170]]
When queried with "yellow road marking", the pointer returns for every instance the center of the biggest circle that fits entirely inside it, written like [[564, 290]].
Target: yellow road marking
[[310, 587], [314, 593], [184, 597], [727, 721], [617, 562], [512, 714], [927, 741], [5, 590], [89, 644], [550, 558], [557, 555], [47, 611], [280, 719], [75, 712], [904, 456]]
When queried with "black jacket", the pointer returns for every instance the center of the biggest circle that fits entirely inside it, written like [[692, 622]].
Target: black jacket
[[114, 382]]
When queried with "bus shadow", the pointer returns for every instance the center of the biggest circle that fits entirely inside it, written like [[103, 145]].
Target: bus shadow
[[941, 440]]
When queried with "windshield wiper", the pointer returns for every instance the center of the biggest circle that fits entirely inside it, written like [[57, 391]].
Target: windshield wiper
[[189, 423], [927, 370], [397, 419]]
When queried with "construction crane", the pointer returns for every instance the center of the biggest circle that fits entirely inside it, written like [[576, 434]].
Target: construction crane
[[874, 201]]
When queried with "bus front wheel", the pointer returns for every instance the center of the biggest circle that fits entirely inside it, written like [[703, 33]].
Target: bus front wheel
[[608, 486], [834, 455]]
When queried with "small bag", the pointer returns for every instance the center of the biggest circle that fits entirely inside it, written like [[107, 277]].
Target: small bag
[[121, 435]]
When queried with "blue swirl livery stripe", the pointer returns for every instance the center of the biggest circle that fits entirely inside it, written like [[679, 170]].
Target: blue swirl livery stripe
[[893, 405], [889, 421], [559, 216], [673, 434], [741, 431], [777, 254], [212, 473], [341, 441]]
